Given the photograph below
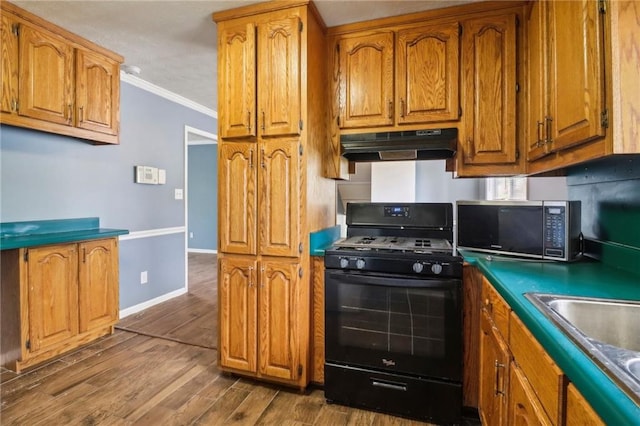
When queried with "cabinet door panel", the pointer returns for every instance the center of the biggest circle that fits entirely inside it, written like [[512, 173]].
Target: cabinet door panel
[[538, 82], [489, 49], [46, 76], [97, 92], [237, 76], [366, 89], [237, 197], [9, 96], [494, 363], [279, 76], [98, 284], [576, 71], [427, 74], [52, 295], [279, 199], [524, 407], [278, 333], [238, 313]]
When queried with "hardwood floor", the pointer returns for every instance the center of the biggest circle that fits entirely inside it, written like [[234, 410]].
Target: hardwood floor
[[191, 318], [136, 379]]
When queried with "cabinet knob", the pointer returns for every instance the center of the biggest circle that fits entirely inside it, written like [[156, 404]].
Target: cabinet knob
[[548, 120], [540, 126], [402, 108]]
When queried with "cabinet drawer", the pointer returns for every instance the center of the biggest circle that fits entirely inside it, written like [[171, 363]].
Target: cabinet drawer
[[545, 377], [496, 308]]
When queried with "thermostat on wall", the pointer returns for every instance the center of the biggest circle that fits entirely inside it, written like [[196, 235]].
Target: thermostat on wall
[[146, 174]]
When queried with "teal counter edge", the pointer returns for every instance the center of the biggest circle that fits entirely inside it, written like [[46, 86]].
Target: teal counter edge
[[15, 235], [320, 240], [512, 279]]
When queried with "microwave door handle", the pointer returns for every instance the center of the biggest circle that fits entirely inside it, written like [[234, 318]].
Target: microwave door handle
[[346, 278]]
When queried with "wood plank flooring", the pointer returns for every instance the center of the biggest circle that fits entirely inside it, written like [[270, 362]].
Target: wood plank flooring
[[136, 379]]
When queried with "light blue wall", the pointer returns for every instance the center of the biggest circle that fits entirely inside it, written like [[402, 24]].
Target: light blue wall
[[45, 176], [435, 185], [203, 197]]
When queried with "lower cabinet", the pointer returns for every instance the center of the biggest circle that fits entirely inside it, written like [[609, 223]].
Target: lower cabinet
[[519, 382], [262, 331], [56, 298]]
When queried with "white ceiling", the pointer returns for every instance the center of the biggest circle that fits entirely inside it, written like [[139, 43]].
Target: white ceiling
[[174, 42]]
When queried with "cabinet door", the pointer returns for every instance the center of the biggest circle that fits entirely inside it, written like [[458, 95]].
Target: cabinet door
[[494, 363], [46, 76], [9, 95], [279, 199], [489, 112], [237, 197], [366, 86], [279, 283], [279, 76], [427, 74], [237, 300], [578, 411], [576, 73], [52, 283], [524, 407], [98, 284], [97, 92], [537, 81], [237, 77]]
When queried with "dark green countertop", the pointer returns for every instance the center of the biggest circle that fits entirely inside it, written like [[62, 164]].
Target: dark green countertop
[[43, 232], [512, 278], [320, 240]]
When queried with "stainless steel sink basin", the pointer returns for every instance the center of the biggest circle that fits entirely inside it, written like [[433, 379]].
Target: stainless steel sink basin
[[607, 330]]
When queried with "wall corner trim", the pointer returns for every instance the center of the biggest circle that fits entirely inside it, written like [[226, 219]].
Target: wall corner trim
[[167, 94]]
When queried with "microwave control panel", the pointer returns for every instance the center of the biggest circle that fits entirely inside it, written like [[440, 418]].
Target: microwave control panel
[[554, 231]]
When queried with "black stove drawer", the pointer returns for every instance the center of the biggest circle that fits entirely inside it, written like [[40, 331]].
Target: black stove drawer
[[427, 400]]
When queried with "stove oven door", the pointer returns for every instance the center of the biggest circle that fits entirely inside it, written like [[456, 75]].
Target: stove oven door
[[394, 323]]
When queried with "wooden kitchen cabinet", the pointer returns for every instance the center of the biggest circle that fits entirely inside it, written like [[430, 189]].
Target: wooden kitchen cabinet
[[399, 76], [524, 408], [57, 82], [279, 198], [46, 76], [260, 317], [578, 411], [366, 80], [262, 53], [57, 298], [237, 180], [271, 190], [494, 374], [489, 84], [427, 74], [567, 103], [97, 92]]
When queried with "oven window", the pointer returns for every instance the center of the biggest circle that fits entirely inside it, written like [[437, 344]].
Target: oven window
[[398, 320]]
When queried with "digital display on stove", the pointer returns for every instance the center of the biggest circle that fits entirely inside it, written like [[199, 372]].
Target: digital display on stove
[[396, 211]]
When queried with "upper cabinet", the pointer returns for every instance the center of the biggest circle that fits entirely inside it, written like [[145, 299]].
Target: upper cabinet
[[489, 76], [263, 55], [57, 82], [399, 76], [566, 80], [366, 83]]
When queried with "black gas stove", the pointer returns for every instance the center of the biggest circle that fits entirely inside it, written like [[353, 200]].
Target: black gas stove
[[393, 312]]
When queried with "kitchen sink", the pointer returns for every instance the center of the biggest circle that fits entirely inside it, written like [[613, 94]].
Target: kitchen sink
[[607, 330]]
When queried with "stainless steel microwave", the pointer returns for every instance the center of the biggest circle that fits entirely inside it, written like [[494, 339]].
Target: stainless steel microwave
[[535, 229]]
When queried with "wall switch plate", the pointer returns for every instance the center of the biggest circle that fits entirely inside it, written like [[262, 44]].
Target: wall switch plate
[[143, 277], [178, 194], [190, 234], [146, 174], [162, 176]]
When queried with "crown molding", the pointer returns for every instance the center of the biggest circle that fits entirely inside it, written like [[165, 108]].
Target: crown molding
[[157, 90]]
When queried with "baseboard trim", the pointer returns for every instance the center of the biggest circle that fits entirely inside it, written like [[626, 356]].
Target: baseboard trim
[[149, 303], [208, 251]]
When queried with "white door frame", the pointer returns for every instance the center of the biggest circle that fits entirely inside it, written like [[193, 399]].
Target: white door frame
[[192, 136]]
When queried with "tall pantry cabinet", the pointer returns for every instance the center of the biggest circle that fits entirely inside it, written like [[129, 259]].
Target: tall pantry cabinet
[[273, 135]]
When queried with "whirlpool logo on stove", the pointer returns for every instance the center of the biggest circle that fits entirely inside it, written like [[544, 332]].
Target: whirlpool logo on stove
[[388, 362]]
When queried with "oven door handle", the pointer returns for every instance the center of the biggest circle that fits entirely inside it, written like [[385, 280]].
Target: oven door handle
[[346, 278]]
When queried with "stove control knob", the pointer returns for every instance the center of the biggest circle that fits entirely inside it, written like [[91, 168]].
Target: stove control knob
[[344, 262], [360, 263], [418, 267], [436, 268]]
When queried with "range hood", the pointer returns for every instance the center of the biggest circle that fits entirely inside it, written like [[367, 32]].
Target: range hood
[[431, 144]]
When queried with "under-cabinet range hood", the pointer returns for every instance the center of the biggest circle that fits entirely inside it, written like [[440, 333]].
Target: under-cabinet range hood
[[431, 144]]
